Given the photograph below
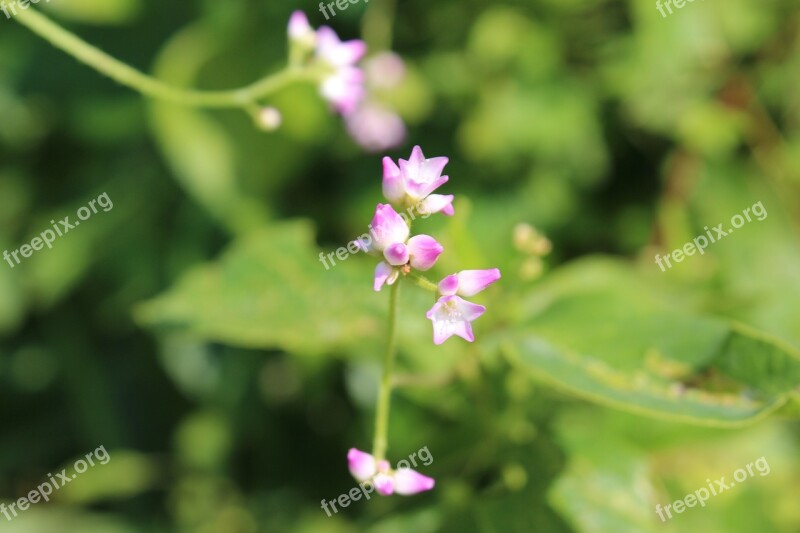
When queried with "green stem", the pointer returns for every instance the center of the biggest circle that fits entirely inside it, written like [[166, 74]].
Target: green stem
[[424, 282], [379, 442], [147, 85]]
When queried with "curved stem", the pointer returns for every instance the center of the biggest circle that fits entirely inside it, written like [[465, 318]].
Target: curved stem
[[379, 442], [147, 85], [424, 282]]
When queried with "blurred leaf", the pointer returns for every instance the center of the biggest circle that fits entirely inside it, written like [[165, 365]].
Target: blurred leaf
[[271, 290], [597, 331]]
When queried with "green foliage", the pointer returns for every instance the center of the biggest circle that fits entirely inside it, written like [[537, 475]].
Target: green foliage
[[194, 332]]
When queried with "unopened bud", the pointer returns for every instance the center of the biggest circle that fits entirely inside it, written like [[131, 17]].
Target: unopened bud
[[269, 119]]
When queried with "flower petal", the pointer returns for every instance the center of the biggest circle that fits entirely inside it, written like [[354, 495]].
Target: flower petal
[[423, 176], [344, 89], [468, 310], [361, 464], [423, 250], [387, 227], [337, 53], [452, 315], [393, 188], [396, 254], [384, 484], [471, 282], [382, 273], [299, 28], [436, 203], [449, 285], [407, 481]]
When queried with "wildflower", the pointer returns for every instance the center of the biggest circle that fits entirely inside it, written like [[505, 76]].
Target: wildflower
[[375, 127], [389, 236], [344, 87], [374, 124], [300, 31], [386, 481], [342, 83], [412, 182], [451, 314]]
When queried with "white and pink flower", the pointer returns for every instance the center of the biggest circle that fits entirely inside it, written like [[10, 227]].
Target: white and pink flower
[[343, 84], [411, 183], [403, 481], [451, 314], [389, 236]]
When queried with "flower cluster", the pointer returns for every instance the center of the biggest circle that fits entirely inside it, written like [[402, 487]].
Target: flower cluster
[[345, 85], [386, 481], [410, 183]]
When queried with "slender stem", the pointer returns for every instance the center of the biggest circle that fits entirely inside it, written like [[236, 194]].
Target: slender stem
[[424, 282], [147, 85], [378, 23], [379, 442]]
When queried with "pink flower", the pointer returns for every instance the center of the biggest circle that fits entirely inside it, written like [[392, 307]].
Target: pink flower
[[300, 30], [452, 315], [386, 481], [342, 83], [374, 125], [344, 86], [389, 236], [375, 128], [468, 282], [412, 182]]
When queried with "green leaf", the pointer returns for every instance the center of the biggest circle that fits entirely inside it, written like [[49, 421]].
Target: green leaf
[[598, 331], [269, 290]]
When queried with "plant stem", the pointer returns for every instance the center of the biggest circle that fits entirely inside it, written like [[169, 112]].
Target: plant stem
[[424, 282], [147, 85], [379, 442]]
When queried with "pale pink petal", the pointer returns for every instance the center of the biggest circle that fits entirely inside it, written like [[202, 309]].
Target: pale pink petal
[[423, 176], [388, 227], [452, 316], [449, 285], [376, 129], [407, 481], [392, 182], [344, 89], [299, 28], [337, 53], [468, 310], [436, 203], [396, 254], [365, 245], [382, 272], [385, 70], [423, 250], [471, 282], [361, 464], [384, 484]]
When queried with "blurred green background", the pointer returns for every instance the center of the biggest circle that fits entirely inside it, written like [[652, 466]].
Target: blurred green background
[[193, 332]]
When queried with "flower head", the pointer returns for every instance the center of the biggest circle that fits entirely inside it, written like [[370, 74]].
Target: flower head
[[386, 481], [451, 314], [300, 31], [342, 82], [411, 183], [344, 86], [389, 236], [375, 127]]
